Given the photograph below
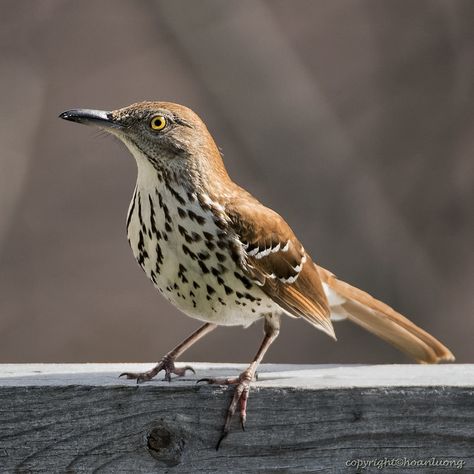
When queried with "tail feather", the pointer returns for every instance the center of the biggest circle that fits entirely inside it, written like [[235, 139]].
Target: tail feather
[[383, 321]]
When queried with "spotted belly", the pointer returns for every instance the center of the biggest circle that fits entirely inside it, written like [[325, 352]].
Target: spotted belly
[[185, 253]]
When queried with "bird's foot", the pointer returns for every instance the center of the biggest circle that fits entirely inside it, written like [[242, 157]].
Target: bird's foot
[[166, 364], [241, 394]]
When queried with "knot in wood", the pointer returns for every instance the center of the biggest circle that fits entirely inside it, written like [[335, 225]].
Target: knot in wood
[[165, 445]]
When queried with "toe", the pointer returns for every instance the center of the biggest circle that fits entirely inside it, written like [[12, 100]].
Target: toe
[[182, 370]]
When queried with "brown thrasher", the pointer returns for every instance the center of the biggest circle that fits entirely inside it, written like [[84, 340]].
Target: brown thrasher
[[222, 257]]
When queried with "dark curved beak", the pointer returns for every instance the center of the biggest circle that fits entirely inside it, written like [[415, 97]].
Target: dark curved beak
[[99, 118]]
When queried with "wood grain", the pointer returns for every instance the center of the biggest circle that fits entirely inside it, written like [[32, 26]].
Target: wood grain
[[81, 418]]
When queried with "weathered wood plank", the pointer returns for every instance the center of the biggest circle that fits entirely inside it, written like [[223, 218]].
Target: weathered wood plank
[[81, 418]]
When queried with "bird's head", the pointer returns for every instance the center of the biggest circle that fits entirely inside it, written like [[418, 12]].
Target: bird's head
[[165, 134]]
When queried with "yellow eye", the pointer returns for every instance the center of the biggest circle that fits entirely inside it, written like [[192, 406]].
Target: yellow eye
[[158, 122]]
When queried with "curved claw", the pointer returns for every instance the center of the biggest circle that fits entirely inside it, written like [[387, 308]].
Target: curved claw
[[204, 380], [140, 378], [223, 435], [221, 381], [129, 375], [180, 371]]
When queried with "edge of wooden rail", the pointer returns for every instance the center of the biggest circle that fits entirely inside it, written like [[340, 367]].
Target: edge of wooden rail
[[322, 376]]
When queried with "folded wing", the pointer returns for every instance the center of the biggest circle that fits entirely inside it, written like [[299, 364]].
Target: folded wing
[[273, 257]]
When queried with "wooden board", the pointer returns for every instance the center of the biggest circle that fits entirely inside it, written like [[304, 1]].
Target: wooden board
[[82, 418]]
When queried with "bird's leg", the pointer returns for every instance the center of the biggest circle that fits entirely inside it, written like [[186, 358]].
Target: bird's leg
[[242, 382], [167, 362]]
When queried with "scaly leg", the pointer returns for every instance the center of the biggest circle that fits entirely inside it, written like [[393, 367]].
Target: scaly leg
[[167, 362], [242, 382]]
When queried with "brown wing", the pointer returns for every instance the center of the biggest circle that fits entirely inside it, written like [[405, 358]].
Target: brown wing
[[276, 260]]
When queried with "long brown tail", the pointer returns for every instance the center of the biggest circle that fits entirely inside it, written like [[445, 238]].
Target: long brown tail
[[383, 321]]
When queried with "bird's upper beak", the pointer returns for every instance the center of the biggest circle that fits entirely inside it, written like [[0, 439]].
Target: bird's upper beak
[[99, 118]]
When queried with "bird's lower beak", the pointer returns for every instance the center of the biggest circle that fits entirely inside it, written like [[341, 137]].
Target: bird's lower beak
[[99, 118]]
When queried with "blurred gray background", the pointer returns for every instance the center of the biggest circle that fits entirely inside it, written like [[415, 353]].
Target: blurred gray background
[[352, 119]]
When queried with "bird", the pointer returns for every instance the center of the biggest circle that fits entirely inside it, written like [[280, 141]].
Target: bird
[[222, 257]]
